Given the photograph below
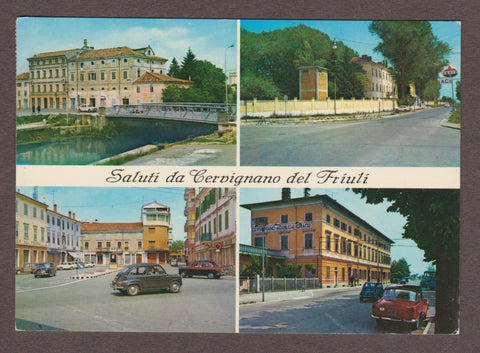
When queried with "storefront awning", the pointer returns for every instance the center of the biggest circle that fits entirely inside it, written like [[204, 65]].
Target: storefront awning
[[75, 255]]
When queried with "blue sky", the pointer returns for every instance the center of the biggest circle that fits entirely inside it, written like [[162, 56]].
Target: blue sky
[[113, 204], [169, 38], [390, 224], [355, 34]]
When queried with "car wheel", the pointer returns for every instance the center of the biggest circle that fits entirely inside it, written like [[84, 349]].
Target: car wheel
[[36, 276], [133, 290], [18, 272], [174, 287], [183, 274], [211, 275]]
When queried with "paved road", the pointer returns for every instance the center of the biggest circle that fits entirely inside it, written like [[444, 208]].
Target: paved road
[[326, 311], [59, 303], [409, 140]]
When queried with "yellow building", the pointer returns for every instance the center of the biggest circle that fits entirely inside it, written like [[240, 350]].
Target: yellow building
[[30, 230], [157, 232], [319, 232], [313, 81], [381, 83], [23, 90]]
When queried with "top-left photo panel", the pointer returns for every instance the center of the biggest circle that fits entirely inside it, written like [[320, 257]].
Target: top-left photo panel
[[117, 91]]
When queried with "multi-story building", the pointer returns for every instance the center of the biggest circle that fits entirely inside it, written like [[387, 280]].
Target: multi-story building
[[318, 232], [23, 90], [381, 83], [113, 244], [63, 237], [96, 77], [157, 232], [149, 87], [30, 230], [214, 225]]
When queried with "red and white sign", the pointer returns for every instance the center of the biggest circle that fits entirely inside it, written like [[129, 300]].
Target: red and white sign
[[450, 72]]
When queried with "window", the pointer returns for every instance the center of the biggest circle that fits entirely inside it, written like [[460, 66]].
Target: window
[[126, 245], [344, 226], [308, 240], [309, 216], [102, 75], [219, 223], [328, 272], [139, 244], [259, 221], [329, 241], [34, 209], [284, 242], [35, 233], [119, 244], [336, 243], [82, 77], [151, 88], [42, 234], [114, 75], [25, 231], [138, 89], [16, 229], [226, 219], [86, 246], [260, 240], [99, 245], [108, 244], [25, 209], [92, 76], [125, 75], [336, 222], [284, 218]]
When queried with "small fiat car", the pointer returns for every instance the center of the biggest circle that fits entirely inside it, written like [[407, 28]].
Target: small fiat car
[[371, 291], [401, 303], [145, 277], [45, 269]]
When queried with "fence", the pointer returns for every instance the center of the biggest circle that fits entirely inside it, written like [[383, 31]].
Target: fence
[[254, 284], [295, 106]]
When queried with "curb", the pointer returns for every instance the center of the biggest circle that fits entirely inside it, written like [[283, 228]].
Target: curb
[[445, 123], [91, 274]]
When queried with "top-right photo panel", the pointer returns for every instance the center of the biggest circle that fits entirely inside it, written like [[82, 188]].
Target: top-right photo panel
[[350, 93]]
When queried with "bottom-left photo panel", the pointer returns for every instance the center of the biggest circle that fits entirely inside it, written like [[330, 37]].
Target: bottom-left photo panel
[[125, 259]]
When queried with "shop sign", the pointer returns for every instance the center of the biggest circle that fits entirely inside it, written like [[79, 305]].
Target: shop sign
[[282, 227]]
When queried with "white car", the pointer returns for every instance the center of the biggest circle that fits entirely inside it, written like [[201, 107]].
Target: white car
[[86, 108], [67, 266], [89, 264]]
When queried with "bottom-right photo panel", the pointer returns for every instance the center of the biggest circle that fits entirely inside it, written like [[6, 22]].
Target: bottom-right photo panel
[[376, 261]]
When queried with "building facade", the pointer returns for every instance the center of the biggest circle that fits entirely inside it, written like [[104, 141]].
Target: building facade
[[149, 87], [23, 91], [381, 83], [30, 230], [313, 82], [157, 232], [210, 225], [112, 244], [63, 237], [317, 232]]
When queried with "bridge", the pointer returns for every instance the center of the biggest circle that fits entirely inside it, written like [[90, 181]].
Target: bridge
[[206, 113]]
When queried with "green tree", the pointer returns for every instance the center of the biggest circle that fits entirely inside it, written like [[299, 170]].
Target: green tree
[[255, 267], [289, 270], [174, 68], [258, 87], [457, 90], [399, 269], [431, 90], [414, 52], [433, 222], [177, 246], [188, 68]]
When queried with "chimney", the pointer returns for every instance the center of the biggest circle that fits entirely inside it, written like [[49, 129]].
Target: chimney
[[286, 194], [69, 214], [55, 207], [73, 216], [306, 192]]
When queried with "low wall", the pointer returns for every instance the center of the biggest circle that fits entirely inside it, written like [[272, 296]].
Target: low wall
[[314, 107]]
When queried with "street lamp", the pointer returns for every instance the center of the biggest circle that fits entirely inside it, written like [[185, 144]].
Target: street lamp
[[335, 79], [264, 238], [226, 81]]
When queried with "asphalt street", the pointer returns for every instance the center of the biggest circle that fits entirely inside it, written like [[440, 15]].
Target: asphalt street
[[414, 139], [321, 311], [60, 303]]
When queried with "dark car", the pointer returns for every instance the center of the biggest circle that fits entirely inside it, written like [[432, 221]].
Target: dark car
[[145, 277], [202, 268], [402, 303], [45, 269], [371, 291]]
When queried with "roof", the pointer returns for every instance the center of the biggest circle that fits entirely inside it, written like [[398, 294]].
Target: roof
[[23, 76], [112, 52], [155, 204], [152, 77], [317, 199], [102, 227], [52, 54]]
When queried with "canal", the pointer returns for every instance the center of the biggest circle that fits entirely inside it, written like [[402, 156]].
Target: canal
[[123, 135]]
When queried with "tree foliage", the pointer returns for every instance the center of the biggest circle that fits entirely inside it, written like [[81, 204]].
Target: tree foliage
[[177, 246], [399, 269], [433, 222], [289, 270], [174, 68], [255, 267], [208, 82], [413, 51], [274, 58], [457, 90]]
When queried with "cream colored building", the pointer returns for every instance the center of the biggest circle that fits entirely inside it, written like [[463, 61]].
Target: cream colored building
[[381, 83], [30, 230], [23, 91], [149, 87]]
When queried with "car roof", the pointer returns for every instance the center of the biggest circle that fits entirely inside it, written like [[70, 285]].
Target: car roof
[[405, 286]]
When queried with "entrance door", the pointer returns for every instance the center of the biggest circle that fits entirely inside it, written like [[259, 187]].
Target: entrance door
[[152, 258], [92, 102], [100, 259], [138, 259]]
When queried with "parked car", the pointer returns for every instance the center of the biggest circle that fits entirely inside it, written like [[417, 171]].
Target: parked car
[[404, 280], [89, 264], [371, 291], [403, 108], [45, 269], [145, 277], [86, 108], [402, 303], [202, 268], [67, 266], [29, 267]]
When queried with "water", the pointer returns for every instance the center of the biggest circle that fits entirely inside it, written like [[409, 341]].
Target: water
[[127, 134]]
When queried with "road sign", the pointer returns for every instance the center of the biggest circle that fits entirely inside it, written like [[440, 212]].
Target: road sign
[[450, 72], [445, 81]]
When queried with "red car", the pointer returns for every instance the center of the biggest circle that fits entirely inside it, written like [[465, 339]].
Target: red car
[[202, 268], [402, 303]]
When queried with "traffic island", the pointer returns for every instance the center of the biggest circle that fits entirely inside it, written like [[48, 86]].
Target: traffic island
[[92, 274]]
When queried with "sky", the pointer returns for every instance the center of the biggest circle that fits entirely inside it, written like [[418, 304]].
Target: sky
[[168, 38], [355, 34], [112, 205], [390, 224]]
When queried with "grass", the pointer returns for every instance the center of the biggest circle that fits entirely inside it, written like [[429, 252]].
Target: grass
[[226, 138], [455, 116], [129, 157]]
